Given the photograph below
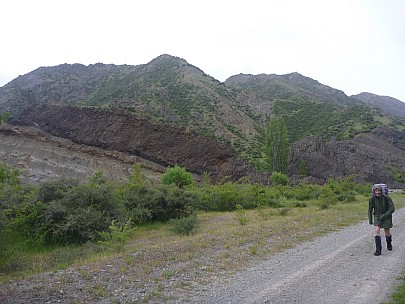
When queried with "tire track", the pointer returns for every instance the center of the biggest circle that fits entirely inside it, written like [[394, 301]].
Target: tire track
[[333, 269]]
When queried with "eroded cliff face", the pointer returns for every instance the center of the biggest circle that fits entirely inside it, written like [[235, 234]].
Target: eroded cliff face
[[368, 157], [102, 134], [49, 142], [41, 157]]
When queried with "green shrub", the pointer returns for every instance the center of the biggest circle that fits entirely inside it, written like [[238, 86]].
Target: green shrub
[[305, 192], [240, 215], [56, 189], [263, 211], [170, 202], [284, 211], [279, 178], [275, 203], [178, 176], [303, 168], [347, 197], [9, 176], [79, 225], [70, 213], [117, 235], [27, 220], [137, 194], [324, 204], [225, 197], [184, 225], [137, 202], [4, 117], [145, 201]]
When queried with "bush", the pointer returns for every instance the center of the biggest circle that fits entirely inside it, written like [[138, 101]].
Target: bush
[[279, 178], [147, 203], [70, 213], [55, 190], [178, 176], [303, 168], [305, 192], [240, 215], [185, 225], [347, 197], [327, 197], [9, 176], [137, 202], [170, 202], [225, 197], [117, 235], [263, 211]]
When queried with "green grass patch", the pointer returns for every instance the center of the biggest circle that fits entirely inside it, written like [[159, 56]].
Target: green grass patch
[[398, 297]]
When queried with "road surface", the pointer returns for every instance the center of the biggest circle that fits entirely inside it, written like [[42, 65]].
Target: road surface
[[334, 269]]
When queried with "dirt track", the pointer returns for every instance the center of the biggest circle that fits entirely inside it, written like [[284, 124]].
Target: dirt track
[[334, 269]]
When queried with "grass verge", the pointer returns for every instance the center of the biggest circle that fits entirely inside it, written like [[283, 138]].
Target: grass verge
[[160, 262]]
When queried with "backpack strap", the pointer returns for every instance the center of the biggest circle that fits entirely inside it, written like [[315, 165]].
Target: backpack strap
[[385, 201]]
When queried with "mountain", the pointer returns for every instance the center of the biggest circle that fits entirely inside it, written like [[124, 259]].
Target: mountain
[[169, 112], [308, 107], [167, 90], [386, 104]]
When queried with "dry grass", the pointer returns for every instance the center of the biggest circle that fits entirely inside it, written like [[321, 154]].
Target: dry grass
[[222, 246], [161, 264]]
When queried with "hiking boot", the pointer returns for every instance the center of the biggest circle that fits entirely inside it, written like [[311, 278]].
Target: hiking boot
[[378, 247], [389, 245]]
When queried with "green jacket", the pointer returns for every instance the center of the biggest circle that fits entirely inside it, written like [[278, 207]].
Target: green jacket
[[382, 208]]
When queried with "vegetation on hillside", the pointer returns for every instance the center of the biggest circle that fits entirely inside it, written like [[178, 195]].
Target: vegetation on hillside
[[305, 118], [168, 90], [65, 212]]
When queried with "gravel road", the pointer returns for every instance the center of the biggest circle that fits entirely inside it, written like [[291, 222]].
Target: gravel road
[[334, 269], [337, 268]]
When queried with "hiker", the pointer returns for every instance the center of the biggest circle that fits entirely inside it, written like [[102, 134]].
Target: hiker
[[381, 206]]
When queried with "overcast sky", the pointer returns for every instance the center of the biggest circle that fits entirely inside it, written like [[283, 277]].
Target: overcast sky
[[351, 45]]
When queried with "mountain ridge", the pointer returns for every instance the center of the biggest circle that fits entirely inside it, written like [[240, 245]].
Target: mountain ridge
[[171, 93]]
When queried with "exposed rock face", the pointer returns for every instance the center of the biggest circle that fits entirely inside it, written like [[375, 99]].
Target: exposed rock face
[[367, 157], [112, 130], [53, 135], [41, 157], [114, 141]]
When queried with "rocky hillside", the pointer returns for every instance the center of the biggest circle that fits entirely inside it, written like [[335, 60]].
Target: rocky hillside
[[386, 104], [169, 112], [374, 157], [128, 135], [166, 90]]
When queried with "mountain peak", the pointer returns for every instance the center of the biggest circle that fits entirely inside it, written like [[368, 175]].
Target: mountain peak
[[165, 58]]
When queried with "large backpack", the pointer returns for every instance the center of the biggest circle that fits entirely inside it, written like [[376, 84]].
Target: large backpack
[[384, 188]]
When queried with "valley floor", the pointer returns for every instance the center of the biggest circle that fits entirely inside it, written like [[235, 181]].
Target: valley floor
[[332, 269]]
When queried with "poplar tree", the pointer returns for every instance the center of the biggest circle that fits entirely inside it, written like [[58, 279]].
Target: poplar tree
[[276, 145], [4, 117]]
